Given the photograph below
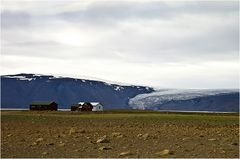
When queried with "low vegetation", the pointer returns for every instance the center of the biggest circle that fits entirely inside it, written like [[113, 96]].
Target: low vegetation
[[119, 133]]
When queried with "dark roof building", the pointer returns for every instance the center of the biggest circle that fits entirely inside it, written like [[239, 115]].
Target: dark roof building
[[43, 105]]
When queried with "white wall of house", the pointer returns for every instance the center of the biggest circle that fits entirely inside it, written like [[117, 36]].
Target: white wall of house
[[97, 107]]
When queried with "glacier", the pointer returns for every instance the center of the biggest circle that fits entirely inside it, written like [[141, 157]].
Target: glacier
[[161, 97]]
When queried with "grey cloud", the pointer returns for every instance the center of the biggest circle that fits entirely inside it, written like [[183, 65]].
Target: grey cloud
[[14, 19], [32, 43], [209, 7], [215, 44], [110, 12], [46, 49]]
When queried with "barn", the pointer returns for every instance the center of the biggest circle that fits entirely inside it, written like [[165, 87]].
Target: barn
[[43, 105]]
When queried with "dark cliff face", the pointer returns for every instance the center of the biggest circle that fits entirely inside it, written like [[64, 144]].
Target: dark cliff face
[[17, 91]]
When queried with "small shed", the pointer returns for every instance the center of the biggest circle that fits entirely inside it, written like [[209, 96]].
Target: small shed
[[43, 105]]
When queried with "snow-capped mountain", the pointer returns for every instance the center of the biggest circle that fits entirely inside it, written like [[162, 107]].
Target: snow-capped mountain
[[188, 99], [17, 91]]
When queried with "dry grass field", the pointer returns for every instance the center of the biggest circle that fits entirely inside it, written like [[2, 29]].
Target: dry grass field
[[115, 134]]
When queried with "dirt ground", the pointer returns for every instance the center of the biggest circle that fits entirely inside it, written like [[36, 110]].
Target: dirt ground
[[28, 134]]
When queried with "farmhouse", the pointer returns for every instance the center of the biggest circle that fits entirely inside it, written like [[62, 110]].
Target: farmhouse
[[87, 106], [43, 105], [96, 106]]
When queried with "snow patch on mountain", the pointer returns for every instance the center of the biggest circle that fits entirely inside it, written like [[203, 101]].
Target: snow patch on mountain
[[118, 88], [22, 78]]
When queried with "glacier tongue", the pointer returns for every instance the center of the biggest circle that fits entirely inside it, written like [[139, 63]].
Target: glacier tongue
[[143, 101]]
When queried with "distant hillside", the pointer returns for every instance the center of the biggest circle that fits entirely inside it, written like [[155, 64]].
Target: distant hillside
[[17, 91]]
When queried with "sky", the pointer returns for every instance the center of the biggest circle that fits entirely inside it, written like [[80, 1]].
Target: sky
[[165, 44]]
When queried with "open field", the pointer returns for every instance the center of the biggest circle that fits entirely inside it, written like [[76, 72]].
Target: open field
[[128, 134]]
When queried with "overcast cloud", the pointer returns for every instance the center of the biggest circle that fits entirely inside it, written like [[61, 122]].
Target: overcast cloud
[[192, 44]]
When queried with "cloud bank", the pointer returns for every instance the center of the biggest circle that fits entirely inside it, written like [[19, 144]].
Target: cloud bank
[[192, 44]]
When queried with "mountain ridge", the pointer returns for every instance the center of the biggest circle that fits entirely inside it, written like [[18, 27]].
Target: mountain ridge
[[20, 89]]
